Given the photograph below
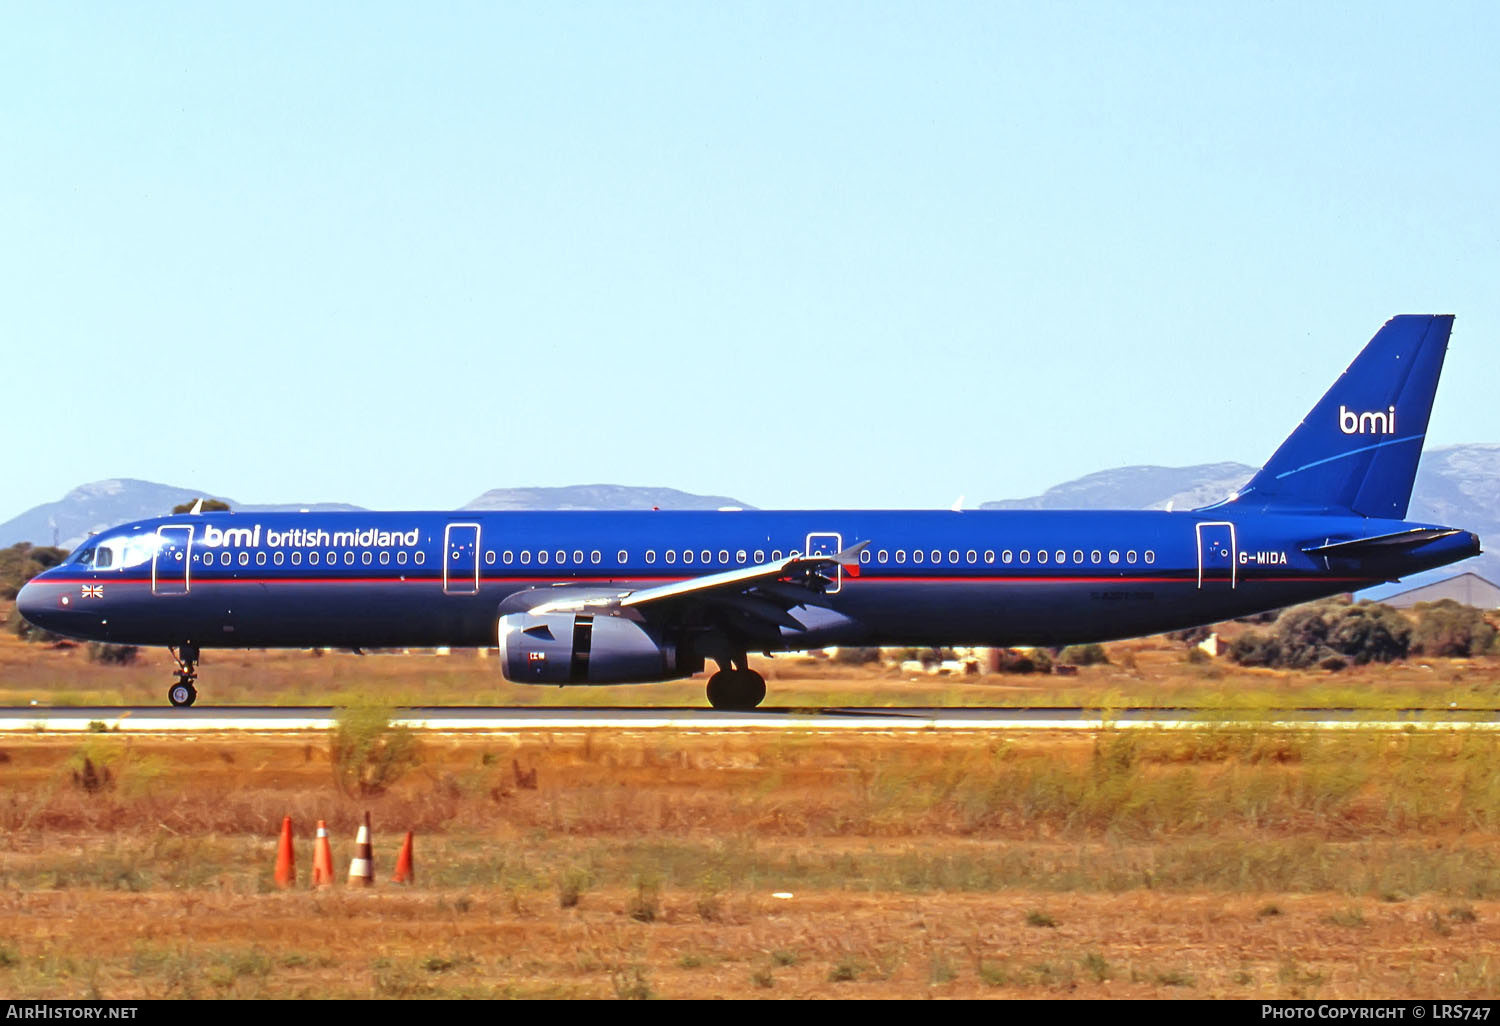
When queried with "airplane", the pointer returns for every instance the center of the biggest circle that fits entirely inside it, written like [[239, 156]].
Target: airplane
[[597, 598]]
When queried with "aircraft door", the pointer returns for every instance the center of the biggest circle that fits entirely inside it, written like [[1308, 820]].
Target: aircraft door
[[827, 544], [461, 559], [172, 564], [1218, 555]]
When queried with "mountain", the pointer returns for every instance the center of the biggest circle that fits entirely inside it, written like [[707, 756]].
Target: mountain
[[600, 496], [1139, 488], [102, 504], [1457, 485]]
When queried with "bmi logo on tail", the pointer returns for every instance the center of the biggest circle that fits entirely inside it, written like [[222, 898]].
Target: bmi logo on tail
[[1351, 423]]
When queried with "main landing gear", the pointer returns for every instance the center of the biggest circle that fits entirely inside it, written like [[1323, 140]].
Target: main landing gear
[[183, 694], [736, 689]]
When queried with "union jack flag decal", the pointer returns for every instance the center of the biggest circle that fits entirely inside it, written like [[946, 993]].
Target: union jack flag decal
[[93, 591]]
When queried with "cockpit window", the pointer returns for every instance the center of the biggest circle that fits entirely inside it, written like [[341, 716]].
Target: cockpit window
[[85, 557], [119, 553]]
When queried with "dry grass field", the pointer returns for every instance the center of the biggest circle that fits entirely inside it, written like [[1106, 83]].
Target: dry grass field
[[1224, 862]]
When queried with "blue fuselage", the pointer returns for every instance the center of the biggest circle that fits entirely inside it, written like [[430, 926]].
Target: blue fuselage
[[925, 578]]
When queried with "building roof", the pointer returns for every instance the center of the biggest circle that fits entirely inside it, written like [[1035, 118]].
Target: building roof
[[1467, 589]]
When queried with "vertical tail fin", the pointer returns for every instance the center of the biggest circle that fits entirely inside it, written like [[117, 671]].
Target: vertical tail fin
[[1358, 448]]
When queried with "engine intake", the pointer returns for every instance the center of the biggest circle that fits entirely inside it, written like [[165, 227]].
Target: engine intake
[[580, 648]]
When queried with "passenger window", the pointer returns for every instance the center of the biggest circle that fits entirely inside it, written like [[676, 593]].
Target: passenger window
[[901, 555], [385, 557], [917, 555], [348, 559], [1114, 557], [401, 558], [622, 557], [953, 556], [365, 557], [687, 555], [507, 557], [562, 558], [760, 556], [596, 556], [421, 558], [223, 558], [1150, 556], [741, 556], [971, 556], [525, 557], [671, 555], [1005, 556], [578, 557], [329, 558], [260, 559], [1095, 556], [296, 559], [864, 555], [776, 556], [882, 556], [1130, 556], [278, 558], [706, 557], [650, 556], [937, 557], [542, 556], [1041, 555], [1060, 557], [1026, 555], [1078, 555], [312, 558], [489, 557]]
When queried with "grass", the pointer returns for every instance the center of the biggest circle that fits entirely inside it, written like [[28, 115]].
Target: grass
[[1232, 861]]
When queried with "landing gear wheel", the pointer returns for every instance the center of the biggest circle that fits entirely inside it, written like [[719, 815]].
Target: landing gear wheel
[[182, 694], [736, 689]]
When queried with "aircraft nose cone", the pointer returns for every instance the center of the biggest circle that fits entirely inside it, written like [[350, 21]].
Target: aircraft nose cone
[[29, 603]]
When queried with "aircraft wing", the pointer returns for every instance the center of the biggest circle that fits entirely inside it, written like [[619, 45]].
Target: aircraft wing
[[761, 593]]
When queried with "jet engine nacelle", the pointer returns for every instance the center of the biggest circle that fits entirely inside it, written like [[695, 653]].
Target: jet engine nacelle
[[580, 648]]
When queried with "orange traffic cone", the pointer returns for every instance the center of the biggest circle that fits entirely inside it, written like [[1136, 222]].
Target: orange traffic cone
[[404, 872], [322, 872], [362, 866], [286, 861]]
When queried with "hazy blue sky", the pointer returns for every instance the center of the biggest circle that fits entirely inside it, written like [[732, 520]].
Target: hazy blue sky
[[807, 254]]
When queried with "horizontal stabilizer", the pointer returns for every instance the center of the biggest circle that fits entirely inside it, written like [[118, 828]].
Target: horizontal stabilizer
[[1381, 543]]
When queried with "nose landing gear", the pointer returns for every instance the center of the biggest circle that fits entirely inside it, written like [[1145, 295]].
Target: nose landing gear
[[183, 694]]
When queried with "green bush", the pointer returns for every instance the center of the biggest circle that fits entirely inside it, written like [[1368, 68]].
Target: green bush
[[1318, 633], [1448, 628], [1083, 655], [112, 655], [368, 751]]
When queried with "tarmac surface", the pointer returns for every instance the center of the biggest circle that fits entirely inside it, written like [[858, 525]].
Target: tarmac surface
[[280, 719]]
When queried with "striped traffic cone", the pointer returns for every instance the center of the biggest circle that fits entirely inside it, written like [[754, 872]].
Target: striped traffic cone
[[404, 873], [322, 871], [362, 866], [286, 861]]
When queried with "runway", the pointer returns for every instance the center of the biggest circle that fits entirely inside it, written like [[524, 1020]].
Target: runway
[[286, 719]]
